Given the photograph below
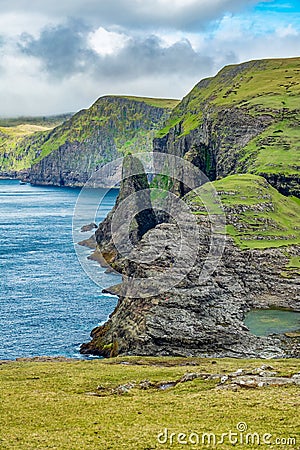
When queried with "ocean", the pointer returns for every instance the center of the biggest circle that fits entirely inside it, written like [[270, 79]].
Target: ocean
[[48, 303]]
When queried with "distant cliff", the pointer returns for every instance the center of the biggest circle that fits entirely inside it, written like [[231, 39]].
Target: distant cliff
[[19, 142], [68, 154], [112, 127]]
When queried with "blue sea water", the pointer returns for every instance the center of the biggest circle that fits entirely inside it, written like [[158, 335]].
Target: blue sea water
[[48, 305]]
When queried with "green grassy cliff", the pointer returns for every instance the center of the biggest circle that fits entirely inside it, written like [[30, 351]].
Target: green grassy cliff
[[17, 136], [246, 119], [258, 216], [112, 126]]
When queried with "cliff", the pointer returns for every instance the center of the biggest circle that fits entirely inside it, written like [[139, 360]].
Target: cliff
[[259, 268], [111, 128], [241, 128], [66, 154], [18, 142], [245, 119], [110, 241]]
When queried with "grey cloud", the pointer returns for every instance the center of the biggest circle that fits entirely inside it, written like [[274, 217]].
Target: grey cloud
[[133, 13], [148, 57], [62, 49], [63, 52]]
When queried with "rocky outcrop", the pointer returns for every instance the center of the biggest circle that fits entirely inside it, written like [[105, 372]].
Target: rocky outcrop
[[12, 174], [284, 183], [214, 146], [203, 318], [198, 316], [134, 181]]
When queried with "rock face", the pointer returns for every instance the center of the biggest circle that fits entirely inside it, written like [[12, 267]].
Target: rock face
[[196, 315], [214, 145], [202, 318], [112, 127], [134, 180]]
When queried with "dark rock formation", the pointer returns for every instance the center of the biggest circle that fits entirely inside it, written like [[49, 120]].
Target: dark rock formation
[[134, 188], [200, 317], [14, 175], [89, 227], [185, 313]]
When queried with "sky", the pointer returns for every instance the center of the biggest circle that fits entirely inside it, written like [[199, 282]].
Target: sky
[[58, 57]]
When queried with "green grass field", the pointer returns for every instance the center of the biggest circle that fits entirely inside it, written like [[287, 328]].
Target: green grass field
[[48, 404]]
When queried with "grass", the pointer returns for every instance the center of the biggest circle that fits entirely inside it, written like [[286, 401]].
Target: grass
[[45, 404], [21, 138], [127, 126], [258, 215], [16, 152], [158, 102], [22, 130], [276, 150]]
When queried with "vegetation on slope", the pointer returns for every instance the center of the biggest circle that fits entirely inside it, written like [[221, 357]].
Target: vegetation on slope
[[258, 215], [49, 404], [264, 88], [17, 135], [126, 120], [121, 117]]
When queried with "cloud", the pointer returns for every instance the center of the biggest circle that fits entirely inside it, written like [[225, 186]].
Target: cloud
[[78, 51], [287, 31], [71, 49], [62, 49], [149, 56], [179, 14], [106, 42]]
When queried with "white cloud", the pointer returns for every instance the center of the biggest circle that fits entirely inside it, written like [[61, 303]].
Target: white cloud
[[287, 31], [12, 24], [106, 42]]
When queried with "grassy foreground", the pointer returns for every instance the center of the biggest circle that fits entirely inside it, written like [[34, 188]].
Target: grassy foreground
[[49, 404]]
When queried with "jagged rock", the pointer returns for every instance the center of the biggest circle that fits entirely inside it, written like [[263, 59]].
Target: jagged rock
[[89, 243], [134, 181]]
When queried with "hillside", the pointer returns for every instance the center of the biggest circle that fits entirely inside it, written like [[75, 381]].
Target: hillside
[[71, 152], [245, 119], [16, 136], [258, 216]]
